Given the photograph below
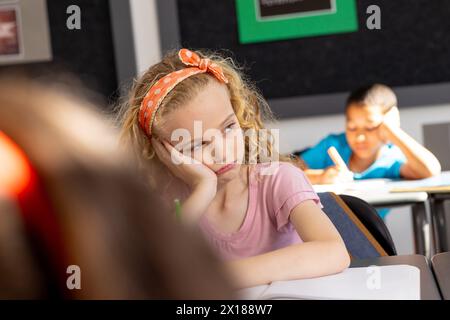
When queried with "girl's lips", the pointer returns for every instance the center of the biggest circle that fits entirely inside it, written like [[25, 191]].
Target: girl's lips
[[226, 168], [361, 147]]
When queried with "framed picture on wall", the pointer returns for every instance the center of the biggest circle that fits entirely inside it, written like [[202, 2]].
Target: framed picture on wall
[[278, 9], [10, 38], [273, 20], [24, 32]]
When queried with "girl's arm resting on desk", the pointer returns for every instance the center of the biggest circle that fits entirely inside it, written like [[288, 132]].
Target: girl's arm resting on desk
[[322, 253], [420, 163]]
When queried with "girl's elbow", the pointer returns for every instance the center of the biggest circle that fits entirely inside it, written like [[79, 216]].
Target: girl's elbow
[[344, 259], [433, 168], [436, 169], [431, 171], [341, 256]]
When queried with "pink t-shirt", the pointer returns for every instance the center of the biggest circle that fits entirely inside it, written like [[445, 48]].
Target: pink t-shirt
[[266, 226]]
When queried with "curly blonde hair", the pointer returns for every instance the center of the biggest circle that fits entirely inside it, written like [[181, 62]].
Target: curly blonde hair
[[248, 104]]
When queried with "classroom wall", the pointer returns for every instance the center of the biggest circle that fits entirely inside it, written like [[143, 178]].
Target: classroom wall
[[146, 33], [297, 133]]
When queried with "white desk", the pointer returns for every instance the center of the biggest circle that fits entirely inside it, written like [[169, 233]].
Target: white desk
[[438, 190], [386, 199], [376, 193], [437, 184], [428, 286]]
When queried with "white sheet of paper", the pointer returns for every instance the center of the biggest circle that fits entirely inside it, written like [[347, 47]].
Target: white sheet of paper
[[379, 185], [397, 282]]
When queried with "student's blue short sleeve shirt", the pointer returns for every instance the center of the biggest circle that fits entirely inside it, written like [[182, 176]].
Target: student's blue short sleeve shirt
[[386, 166]]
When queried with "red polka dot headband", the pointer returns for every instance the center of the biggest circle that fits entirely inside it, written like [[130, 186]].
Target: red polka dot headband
[[163, 86]]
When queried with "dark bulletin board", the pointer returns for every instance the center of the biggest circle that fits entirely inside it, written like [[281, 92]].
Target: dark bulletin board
[[411, 49], [87, 53]]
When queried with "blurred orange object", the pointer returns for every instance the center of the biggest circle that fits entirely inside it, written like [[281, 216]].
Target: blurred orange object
[[15, 171]]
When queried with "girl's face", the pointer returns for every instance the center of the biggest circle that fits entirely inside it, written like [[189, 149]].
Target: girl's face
[[362, 130], [207, 129]]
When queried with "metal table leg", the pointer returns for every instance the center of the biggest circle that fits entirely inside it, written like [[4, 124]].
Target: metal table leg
[[439, 225], [421, 229]]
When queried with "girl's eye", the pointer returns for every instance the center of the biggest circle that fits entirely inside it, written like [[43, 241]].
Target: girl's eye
[[198, 146], [351, 129], [371, 129], [230, 127]]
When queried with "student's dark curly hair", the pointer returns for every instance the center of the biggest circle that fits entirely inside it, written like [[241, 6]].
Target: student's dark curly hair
[[373, 95]]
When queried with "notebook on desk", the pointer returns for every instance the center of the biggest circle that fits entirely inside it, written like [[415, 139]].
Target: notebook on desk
[[398, 282], [356, 185], [439, 183]]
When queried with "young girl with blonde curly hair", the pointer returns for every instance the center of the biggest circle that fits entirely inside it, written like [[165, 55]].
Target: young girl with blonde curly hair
[[188, 118]]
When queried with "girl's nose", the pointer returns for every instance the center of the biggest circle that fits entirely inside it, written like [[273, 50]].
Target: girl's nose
[[219, 149], [361, 137], [224, 149]]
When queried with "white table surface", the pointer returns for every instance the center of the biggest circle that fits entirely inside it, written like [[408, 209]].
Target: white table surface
[[373, 191]]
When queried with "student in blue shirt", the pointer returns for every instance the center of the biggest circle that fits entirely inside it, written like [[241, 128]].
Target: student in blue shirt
[[373, 145]]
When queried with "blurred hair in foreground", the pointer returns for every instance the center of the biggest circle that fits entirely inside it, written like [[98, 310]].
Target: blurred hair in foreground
[[110, 225]]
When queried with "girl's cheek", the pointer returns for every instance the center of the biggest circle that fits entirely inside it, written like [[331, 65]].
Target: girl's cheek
[[205, 157], [375, 141], [235, 147], [197, 155], [240, 149], [376, 137], [351, 137]]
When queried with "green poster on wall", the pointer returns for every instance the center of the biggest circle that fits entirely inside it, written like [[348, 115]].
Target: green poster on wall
[[270, 20]]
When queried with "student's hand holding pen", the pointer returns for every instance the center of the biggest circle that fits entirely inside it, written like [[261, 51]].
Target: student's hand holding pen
[[334, 174], [340, 172], [330, 175]]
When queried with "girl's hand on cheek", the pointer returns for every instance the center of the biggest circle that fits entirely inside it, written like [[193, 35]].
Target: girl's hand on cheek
[[391, 121], [189, 170], [383, 133], [392, 118]]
